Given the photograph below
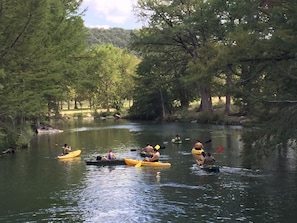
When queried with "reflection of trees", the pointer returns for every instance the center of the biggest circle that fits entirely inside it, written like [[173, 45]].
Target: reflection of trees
[[259, 146], [250, 154], [280, 157], [230, 139]]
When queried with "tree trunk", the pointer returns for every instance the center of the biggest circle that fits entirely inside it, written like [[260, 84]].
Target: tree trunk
[[246, 107], [206, 101], [90, 103], [75, 104], [228, 109], [107, 99], [162, 103]]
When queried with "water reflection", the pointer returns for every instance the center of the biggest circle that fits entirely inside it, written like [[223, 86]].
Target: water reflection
[[131, 127], [36, 187], [119, 193]]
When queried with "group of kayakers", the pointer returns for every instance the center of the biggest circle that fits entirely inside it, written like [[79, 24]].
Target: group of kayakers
[[202, 158], [152, 154]]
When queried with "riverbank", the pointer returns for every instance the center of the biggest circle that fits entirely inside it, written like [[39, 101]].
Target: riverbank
[[218, 115], [218, 118]]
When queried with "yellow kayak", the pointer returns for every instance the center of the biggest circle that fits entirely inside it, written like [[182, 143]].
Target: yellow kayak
[[132, 162], [70, 155]]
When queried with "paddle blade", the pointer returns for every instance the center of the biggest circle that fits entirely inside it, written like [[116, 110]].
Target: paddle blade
[[220, 149], [138, 164]]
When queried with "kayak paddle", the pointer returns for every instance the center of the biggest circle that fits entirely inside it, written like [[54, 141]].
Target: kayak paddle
[[138, 164], [220, 149]]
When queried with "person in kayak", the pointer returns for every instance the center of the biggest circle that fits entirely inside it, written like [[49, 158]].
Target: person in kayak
[[156, 155], [177, 138], [147, 151], [149, 148], [199, 153], [198, 145], [209, 160], [66, 149], [111, 155]]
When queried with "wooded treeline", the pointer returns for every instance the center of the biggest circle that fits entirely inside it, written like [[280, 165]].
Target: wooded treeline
[[116, 36], [45, 60], [191, 50], [244, 50]]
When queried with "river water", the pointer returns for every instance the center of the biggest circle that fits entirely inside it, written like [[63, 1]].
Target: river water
[[36, 187]]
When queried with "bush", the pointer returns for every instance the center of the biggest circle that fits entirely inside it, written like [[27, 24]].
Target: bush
[[215, 118]]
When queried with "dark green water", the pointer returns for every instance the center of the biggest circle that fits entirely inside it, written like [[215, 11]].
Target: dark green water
[[36, 187]]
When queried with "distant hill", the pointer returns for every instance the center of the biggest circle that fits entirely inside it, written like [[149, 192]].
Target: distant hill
[[117, 36]]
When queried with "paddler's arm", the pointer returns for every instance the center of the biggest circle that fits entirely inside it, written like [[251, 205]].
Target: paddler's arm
[[154, 158]]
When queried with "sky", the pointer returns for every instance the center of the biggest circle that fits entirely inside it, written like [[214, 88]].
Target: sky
[[110, 14]]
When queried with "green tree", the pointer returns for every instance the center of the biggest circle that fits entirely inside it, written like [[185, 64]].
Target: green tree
[[116, 36], [111, 72], [38, 42], [151, 93], [185, 32], [264, 42]]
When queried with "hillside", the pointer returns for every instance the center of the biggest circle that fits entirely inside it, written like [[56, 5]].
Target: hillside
[[117, 36]]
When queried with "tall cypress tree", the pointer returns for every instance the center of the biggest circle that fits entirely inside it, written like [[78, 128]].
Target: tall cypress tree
[[39, 41]]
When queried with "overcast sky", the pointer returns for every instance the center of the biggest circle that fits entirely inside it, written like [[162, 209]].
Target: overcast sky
[[110, 14]]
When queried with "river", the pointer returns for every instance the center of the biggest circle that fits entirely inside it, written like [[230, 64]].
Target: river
[[37, 187]]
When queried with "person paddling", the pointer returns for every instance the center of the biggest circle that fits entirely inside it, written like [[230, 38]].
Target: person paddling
[[111, 155], [177, 138], [147, 151], [156, 155], [209, 160], [199, 153], [66, 149], [198, 145]]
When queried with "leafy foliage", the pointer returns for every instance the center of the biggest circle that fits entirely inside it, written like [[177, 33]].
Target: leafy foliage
[[109, 76], [244, 49], [116, 36], [39, 40]]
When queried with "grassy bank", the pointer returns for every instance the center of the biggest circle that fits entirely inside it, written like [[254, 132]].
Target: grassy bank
[[180, 115]]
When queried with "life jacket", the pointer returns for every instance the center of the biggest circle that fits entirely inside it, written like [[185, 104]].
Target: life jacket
[[197, 151]]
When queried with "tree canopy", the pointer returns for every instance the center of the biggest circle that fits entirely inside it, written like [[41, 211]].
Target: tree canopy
[[245, 50], [47, 58], [39, 40]]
